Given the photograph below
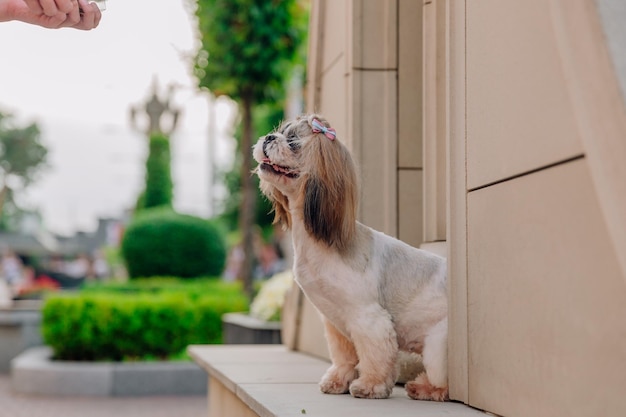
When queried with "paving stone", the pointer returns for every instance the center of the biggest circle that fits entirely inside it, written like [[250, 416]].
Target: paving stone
[[13, 404]]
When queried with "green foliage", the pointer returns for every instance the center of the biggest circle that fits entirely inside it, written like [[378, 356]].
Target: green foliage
[[21, 152], [161, 242], [11, 214], [248, 46], [22, 156], [141, 319], [266, 117], [158, 191]]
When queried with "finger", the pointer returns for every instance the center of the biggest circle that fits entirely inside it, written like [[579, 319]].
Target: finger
[[90, 17], [66, 6], [49, 7], [86, 16], [52, 22], [73, 17], [34, 6], [97, 15]]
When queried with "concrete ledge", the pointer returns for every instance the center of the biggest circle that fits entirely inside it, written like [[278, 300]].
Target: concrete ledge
[[33, 372], [19, 330], [271, 381], [241, 328]]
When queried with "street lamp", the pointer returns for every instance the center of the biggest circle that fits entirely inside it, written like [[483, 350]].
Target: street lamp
[[158, 111]]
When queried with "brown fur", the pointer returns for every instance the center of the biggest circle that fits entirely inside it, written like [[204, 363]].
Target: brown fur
[[329, 176], [333, 223]]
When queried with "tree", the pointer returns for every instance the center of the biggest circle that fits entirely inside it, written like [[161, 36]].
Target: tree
[[265, 117], [22, 156], [248, 48], [158, 191]]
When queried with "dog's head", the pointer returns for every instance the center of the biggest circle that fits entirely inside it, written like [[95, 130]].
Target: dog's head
[[303, 167]]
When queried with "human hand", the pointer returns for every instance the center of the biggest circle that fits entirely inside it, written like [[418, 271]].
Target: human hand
[[53, 14], [90, 15], [50, 8]]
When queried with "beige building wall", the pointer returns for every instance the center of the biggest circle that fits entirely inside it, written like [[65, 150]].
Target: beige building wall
[[545, 289], [496, 127]]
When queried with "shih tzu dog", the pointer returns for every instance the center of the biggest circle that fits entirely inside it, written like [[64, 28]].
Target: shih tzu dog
[[377, 295]]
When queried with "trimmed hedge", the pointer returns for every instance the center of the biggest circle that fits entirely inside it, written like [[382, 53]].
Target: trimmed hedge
[[117, 323], [159, 187], [161, 242]]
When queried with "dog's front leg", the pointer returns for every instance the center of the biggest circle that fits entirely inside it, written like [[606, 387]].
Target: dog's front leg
[[376, 346], [338, 377], [433, 383]]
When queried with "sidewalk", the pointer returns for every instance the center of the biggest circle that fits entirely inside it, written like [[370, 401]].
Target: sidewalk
[[17, 405]]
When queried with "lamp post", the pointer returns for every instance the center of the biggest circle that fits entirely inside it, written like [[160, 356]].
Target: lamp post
[[158, 111]]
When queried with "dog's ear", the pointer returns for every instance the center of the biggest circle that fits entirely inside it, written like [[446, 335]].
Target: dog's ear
[[330, 195]]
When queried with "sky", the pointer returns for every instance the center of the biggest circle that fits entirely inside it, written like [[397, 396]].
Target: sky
[[79, 87]]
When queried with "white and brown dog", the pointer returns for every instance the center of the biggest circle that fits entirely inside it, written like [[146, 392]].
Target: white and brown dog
[[377, 295]]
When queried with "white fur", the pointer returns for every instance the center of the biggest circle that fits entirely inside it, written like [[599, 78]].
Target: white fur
[[377, 294]]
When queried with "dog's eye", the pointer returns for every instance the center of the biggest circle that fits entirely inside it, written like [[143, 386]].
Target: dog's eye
[[293, 142]]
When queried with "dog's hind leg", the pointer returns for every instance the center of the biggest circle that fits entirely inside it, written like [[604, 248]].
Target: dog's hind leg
[[376, 345], [433, 383], [338, 377]]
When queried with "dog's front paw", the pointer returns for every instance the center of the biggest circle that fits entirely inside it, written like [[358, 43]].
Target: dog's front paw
[[337, 379], [422, 389], [367, 387]]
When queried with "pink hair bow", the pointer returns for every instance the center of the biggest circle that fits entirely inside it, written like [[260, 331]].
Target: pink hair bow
[[318, 127]]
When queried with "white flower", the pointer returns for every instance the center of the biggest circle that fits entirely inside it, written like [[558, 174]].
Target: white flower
[[268, 303]]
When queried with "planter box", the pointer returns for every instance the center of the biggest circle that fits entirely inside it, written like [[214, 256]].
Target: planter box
[[241, 328], [33, 372], [19, 330]]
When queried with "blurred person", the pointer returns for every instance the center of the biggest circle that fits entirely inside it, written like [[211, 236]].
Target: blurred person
[[52, 14], [100, 266], [269, 262], [12, 273], [12, 268], [79, 267], [56, 263], [233, 263], [28, 280]]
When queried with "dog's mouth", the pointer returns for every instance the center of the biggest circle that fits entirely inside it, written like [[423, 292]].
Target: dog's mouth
[[267, 165]]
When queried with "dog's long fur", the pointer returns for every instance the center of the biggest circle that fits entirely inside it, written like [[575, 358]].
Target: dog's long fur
[[377, 295]]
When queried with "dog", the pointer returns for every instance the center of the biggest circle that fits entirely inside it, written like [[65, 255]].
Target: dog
[[377, 295]]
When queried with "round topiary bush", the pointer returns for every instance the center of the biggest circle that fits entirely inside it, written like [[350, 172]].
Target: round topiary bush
[[160, 242]]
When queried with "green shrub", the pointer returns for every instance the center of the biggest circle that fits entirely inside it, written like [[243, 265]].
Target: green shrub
[[161, 242], [159, 185], [116, 323]]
